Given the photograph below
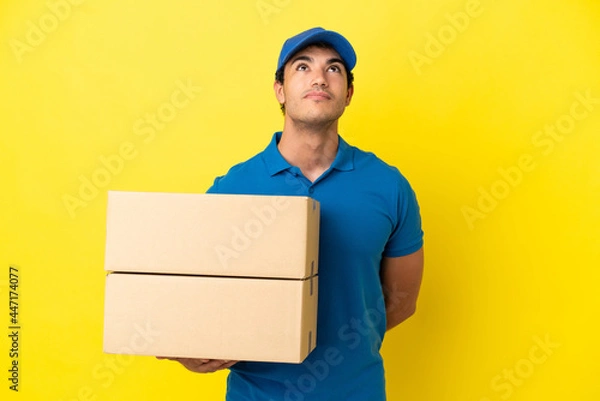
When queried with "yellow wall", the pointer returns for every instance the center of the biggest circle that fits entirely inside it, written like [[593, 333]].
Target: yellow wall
[[510, 205]]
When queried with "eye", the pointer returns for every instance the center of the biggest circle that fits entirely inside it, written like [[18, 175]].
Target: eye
[[301, 67], [335, 68]]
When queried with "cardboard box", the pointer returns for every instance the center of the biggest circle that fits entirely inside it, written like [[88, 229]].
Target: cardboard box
[[211, 276], [249, 319], [210, 234]]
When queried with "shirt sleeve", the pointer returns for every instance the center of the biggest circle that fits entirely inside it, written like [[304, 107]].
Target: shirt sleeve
[[214, 188], [407, 234]]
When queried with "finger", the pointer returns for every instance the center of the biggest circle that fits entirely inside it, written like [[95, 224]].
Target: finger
[[203, 365], [197, 360], [228, 364], [191, 361], [193, 365], [213, 365], [199, 365]]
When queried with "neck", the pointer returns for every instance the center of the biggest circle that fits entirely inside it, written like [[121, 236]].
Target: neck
[[311, 149]]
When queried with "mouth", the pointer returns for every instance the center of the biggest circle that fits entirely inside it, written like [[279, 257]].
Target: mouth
[[317, 95]]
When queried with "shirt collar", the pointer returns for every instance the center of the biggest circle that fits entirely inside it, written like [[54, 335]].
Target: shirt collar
[[273, 160], [275, 163], [344, 160]]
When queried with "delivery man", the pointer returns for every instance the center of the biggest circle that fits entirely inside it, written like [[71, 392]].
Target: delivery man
[[370, 249]]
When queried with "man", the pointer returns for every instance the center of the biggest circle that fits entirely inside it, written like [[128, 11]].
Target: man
[[371, 257]]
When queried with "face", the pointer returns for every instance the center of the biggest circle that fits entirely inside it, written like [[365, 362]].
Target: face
[[315, 87]]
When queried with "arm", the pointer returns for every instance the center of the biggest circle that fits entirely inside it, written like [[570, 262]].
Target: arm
[[401, 281]]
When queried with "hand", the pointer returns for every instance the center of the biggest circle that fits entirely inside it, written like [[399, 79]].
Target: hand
[[197, 365]]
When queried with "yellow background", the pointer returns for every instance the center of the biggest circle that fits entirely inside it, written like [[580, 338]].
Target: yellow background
[[527, 269]]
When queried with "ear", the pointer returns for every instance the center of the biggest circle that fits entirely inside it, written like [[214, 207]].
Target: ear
[[349, 95], [279, 94]]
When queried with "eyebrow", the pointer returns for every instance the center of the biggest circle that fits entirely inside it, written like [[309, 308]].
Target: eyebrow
[[310, 59]]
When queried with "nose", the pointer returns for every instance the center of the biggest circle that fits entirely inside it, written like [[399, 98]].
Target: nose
[[319, 79]]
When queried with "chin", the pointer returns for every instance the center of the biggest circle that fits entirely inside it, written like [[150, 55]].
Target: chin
[[320, 118]]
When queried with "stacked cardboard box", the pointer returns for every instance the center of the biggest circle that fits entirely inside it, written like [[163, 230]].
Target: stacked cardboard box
[[211, 276]]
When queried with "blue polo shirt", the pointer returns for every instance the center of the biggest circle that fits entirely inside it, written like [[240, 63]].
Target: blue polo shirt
[[368, 211]]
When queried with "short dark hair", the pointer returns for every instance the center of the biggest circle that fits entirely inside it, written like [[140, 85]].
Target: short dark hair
[[320, 45]]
